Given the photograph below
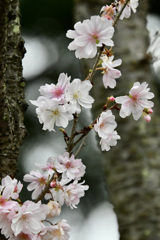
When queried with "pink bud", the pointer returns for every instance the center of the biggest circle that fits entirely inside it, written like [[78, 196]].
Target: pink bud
[[147, 118], [112, 99], [150, 110], [53, 184]]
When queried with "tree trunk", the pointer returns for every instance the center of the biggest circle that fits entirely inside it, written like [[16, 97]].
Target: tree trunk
[[12, 130], [132, 168], [12, 105]]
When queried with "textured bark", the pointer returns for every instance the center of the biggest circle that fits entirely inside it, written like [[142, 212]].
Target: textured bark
[[12, 130], [132, 168], [12, 105]]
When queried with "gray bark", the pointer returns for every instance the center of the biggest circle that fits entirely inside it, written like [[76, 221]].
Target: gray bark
[[12, 105], [132, 167], [12, 130]]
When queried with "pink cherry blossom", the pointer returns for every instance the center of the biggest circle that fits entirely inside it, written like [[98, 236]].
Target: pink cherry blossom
[[109, 72], [6, 216], [89, 35], [108, 12], [70, 167], [136, 102], [110, 140], [78, 95], [56, 92], [105, 124], [11, 187], [28, 218]]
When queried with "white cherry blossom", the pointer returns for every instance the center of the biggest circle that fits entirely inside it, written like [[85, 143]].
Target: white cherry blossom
[[109, 72], [132, 5], [38, 182], [78, 95], [105, 124], [73, 192], [136, 102], [110, 140], [50, 113], [59, 231], [89, 35]]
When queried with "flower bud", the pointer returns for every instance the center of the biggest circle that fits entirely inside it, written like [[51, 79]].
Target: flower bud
[[147, 118], [112, 99], [54, 209]]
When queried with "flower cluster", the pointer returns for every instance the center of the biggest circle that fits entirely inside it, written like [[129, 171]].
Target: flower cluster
[[59, 179], [65, 171], [105, 127], [26, 220], [110, 11], [59, 102]]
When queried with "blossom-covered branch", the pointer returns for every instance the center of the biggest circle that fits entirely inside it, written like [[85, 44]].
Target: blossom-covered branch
[[59, 181]]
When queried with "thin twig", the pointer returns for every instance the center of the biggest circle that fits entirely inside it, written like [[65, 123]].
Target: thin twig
[[96, 63], [70, 142], [80, 147]]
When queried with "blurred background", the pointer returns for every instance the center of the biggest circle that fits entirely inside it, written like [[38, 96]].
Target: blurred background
[[44, 27]]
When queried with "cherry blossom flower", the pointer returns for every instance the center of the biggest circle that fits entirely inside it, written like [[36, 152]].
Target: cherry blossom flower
[[49, 166], [57, 194], [108, 12], [109, 72], [70, 167], [50, 113], [54, 209], [11, 187], [110, 140], [29, 217], [105, 124], [38, 182], [23, 236], [73, 192], [78, 95], [136, 102], [6, 216], [126, 11], [59, 231], [89, 35], [132, 5], [56, 92]]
